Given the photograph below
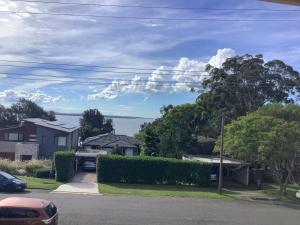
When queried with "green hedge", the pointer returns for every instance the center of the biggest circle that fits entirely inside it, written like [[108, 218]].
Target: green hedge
[[151, 170], [44, 173], [64, 165]]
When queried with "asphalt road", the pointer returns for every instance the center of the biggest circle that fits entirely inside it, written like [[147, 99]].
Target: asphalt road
[[126, 210]]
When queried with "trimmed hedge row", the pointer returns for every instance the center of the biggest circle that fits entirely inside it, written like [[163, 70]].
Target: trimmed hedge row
[[44, 173], [151, 170], [64, 165]]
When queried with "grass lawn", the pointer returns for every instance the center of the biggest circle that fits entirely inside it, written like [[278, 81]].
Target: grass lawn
[[273, 191], [162, 190], [39, 183]]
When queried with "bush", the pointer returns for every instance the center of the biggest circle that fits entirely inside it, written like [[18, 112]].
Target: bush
[[64, 165], [151, 170], [27, 168], [44, 173]]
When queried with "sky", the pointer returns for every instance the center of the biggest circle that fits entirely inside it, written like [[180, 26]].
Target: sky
[[130, 66]]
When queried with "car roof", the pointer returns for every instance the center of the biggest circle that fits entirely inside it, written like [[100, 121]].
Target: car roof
[[24, 203]]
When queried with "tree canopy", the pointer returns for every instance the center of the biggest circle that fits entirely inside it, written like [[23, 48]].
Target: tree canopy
[[245, 83], [269, 135], [22, 109], [175, 133], [93, 123]]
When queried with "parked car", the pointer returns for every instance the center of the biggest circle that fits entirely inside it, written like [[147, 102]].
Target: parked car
[[10, 183], [27, 211], [89, 165], [298, 194]]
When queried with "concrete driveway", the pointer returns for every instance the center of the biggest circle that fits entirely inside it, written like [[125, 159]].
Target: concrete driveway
[[82, 183]]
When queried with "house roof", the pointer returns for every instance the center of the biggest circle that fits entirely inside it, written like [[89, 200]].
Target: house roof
[[111, 140], [56, 125], [213, 159]]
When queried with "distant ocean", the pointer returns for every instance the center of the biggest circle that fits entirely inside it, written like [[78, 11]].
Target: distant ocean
[[127, 126]]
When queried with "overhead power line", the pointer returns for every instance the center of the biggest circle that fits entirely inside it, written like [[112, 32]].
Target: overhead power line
[[157, 7], [136, 83], [150, 18], [97, 66], [171, 73], [95, 78]]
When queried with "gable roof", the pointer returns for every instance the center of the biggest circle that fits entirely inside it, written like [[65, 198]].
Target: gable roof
[[111, 140], [56, 125]]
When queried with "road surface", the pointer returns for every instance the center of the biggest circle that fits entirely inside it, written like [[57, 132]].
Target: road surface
[[75, 209]]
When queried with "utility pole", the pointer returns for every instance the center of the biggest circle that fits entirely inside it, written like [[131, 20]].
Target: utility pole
[[221, 156]]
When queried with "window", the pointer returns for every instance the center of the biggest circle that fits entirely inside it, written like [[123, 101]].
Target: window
[[61, 141], [51, 210], [26, 157], [13, 136], [17, 213]]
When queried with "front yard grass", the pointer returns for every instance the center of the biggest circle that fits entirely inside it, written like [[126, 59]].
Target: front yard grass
[[272, 190], [40, 183], [162, 190]]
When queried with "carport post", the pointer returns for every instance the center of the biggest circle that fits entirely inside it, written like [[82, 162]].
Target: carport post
[[221, 156]]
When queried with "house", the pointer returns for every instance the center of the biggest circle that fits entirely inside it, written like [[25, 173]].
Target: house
[[37, 138], [107, 143], [232, 169]]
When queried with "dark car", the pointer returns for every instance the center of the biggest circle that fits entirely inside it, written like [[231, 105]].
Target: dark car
[[89, 164], [29, 211], [11, 183]]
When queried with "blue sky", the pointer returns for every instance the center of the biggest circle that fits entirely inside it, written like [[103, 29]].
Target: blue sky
[[172, 52]]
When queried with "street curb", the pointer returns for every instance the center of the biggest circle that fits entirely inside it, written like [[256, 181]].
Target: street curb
[[76, 193]]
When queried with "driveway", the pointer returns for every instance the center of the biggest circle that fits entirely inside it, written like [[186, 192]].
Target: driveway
[[85, 177], [130, 210], [82, 183]]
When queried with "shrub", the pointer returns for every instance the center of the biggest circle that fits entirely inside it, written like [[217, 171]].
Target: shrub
[[151, 170], [64, 165], [32, 166], [43, 173], [24, 167]]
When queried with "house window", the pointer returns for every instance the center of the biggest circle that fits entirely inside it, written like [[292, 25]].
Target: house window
[[13, 137], [61, 141]]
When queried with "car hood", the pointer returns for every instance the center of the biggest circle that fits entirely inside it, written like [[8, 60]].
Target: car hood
[[18, 181]]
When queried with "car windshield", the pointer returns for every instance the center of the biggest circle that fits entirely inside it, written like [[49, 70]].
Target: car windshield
[[51, 210], [7, 175]]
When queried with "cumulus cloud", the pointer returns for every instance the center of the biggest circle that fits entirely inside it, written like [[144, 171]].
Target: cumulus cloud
[[38, 96], [188, 74], [157, 81], [221, 56]]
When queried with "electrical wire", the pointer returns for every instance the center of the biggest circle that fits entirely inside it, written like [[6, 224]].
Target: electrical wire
[[157, 7]]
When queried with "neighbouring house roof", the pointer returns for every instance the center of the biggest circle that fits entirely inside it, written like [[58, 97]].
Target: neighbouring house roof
[[111, 140], [56, 125], [213, 159]]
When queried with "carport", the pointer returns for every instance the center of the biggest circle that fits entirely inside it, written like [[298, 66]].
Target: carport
[[232, 169], [80, 156]]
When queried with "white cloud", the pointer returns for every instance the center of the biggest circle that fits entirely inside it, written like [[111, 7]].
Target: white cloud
[[187, 74], [221, 56], [38, 96], [157, 79]]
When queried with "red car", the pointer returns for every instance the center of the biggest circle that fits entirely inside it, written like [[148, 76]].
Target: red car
[[27, 211]]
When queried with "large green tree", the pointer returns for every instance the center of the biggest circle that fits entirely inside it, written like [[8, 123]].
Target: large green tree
[[7, 118], [175, 133], [243, 84], [93, 123], [25, 108], [270, 135], [22, 109]]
